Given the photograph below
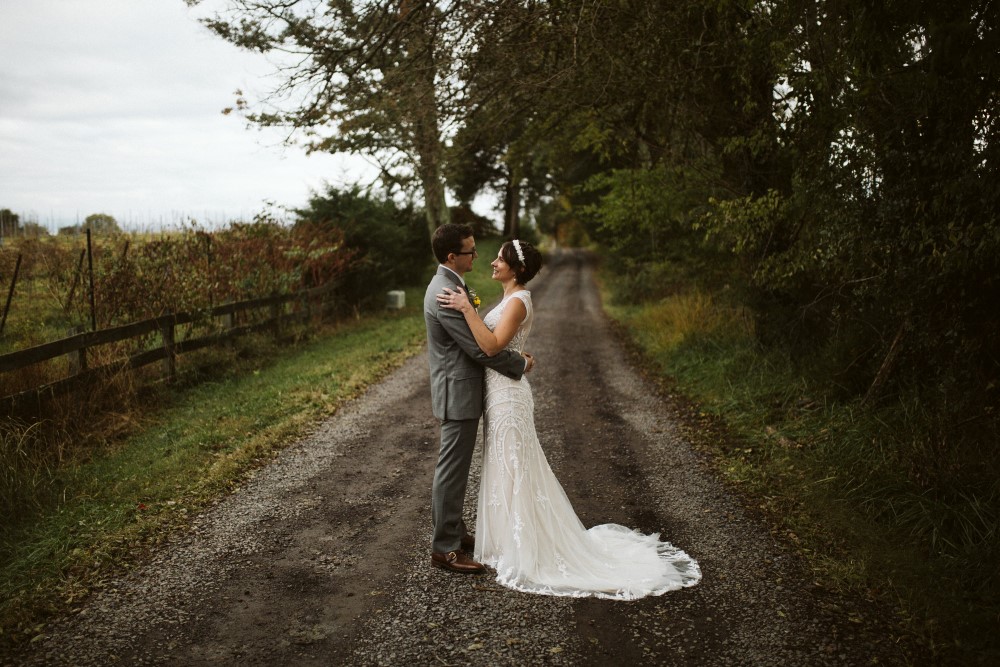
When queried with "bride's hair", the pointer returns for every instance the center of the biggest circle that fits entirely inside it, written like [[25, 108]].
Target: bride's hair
[[526, 269]]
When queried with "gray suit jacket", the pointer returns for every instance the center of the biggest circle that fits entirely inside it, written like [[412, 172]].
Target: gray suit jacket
[[456, 361]]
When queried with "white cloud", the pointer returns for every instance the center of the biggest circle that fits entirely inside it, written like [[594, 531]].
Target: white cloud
[[115, 106]]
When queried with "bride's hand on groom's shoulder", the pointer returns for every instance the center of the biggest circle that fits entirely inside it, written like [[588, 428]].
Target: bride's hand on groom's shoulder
[[453, 299]]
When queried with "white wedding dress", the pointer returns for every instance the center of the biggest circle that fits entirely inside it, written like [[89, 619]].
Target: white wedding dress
[[526, 527]]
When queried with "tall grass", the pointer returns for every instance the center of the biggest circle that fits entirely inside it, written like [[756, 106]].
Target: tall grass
[[25, 467], [880, 499]]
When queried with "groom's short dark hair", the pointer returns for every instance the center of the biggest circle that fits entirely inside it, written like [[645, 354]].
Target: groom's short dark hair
[[448, 239]]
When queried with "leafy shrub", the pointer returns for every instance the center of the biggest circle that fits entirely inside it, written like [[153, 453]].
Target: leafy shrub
[[391, 243]]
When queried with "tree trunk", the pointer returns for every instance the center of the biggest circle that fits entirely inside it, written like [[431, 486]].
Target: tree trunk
[[512, 207], [422, 94], [429, 166]]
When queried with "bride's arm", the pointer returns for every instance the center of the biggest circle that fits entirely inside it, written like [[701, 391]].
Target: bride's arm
[[490, 342]]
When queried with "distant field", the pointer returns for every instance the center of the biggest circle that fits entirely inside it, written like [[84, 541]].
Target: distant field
[[39, 310], [51, 296], [143, 275]]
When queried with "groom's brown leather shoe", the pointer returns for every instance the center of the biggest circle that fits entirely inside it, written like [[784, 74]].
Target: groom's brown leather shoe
[[468, 542], [456, 561]]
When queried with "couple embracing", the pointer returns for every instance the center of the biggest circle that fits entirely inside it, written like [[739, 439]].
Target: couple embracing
[[526, 528]]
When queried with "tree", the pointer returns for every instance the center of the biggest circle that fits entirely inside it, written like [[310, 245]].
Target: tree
[[893, 127], [501, 66], [10, 223], [101, 223], [373, 78], [33, 230], [389, 241]]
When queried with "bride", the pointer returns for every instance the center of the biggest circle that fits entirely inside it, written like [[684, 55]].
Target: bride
[[526, 527]]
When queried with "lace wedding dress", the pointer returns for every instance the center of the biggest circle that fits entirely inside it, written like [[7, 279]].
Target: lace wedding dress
[[526, 527]]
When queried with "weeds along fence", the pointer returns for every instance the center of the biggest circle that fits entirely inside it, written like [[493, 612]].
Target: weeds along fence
[[220, 322], [79, 308]]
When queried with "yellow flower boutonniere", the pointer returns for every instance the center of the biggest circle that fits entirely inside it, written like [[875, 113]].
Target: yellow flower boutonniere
[[474, 298]]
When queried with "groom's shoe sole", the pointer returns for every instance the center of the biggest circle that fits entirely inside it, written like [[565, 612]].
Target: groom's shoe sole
[[457, 562]]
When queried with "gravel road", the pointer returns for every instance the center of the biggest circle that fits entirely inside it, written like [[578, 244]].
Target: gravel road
[[322, 558]]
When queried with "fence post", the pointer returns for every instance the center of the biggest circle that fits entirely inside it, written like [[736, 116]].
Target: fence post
[[76, 281], [228, 322], [210, 273], [90, 269], [167, 333], [10, 293], [275, 312], [305, 308], [77, 358]]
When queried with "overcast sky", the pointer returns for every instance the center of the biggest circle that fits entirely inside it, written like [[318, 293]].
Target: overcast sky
[[115, 106]]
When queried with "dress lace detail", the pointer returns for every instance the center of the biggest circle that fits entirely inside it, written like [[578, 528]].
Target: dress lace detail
[[526, 527]]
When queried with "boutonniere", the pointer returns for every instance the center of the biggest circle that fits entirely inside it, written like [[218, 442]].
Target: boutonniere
[[474, 298]]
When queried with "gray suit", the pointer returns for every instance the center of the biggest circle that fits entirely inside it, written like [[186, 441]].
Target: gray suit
[[456, 365]]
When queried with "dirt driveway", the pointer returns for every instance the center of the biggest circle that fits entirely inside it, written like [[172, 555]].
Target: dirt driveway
[[323, 557]]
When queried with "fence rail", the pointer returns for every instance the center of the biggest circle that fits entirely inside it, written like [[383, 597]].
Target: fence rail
[[76, 345]]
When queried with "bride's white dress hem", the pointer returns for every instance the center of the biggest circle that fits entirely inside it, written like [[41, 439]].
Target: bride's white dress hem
[[526, 527]]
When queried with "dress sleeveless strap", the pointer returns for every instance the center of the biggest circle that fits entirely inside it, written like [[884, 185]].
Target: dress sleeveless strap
[[525, 297]]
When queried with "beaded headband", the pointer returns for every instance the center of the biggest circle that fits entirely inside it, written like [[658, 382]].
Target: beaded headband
[[517, 249]]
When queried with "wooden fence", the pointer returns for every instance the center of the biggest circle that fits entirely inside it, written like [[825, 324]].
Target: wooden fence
[[76, 346]]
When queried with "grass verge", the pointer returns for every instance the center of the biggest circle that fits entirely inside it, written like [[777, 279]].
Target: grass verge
[[113, 505], [836, 480]]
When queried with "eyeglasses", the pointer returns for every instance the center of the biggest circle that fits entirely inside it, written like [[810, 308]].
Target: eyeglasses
[[469, 252]]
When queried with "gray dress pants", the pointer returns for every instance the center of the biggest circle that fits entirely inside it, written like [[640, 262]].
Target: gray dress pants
[[458, 440]]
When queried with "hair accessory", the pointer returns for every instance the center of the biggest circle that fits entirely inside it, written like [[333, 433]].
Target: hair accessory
[[517, 249]]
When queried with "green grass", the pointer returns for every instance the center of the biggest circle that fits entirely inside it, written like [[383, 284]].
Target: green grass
[[837, 480], [109, 507]]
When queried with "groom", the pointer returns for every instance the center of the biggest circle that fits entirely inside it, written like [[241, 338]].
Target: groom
[[456, 364]]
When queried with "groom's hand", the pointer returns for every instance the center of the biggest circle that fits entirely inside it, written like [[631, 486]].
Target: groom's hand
[[531, 362]]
